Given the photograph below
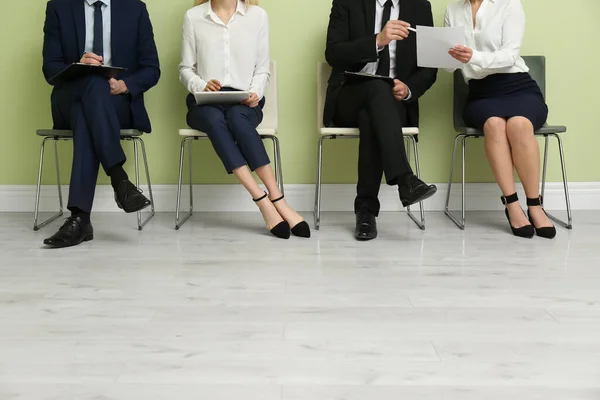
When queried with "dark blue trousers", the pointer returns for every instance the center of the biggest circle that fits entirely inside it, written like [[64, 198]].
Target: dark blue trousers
[[86, 107], [232, 132]]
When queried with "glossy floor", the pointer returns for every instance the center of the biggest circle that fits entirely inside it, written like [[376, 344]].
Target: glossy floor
[[221, 311]]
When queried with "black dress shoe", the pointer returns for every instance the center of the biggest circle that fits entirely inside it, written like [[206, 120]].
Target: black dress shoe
[[366, 226], [129, 198], [414, 191], [73, 232]]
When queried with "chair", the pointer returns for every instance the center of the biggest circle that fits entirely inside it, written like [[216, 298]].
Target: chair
[[268, 129], [411, 135], [132, 135], [537, 66]]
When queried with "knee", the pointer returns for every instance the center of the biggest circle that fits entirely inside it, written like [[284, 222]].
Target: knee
[[519, 129], [378, 87], [205, 119], [96, 84], [495, 129], [239, 121]]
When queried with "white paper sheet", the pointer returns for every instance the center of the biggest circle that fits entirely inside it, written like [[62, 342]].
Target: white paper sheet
[[433, 45]]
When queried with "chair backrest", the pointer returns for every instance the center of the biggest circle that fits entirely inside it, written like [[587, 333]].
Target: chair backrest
[[323, 73], [271, 110], [537, 69]]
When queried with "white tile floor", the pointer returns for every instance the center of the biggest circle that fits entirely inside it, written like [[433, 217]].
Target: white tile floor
[[222, 311]]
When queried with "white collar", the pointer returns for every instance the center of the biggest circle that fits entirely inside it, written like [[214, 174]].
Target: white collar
[[91, 2], [240, 9], [382, 2]]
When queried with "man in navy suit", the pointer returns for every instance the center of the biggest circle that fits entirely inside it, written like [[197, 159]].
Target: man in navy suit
[[110, 32]]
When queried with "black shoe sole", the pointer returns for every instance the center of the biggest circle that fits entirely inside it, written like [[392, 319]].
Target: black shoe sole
[[88, 238], [365, 239], [136, 209], [428, 194]]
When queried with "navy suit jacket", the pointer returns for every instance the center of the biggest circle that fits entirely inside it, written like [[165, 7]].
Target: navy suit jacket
[[133, 47]]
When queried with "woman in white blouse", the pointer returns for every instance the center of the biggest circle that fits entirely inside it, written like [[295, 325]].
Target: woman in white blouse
[[505, 102], [226, 48]]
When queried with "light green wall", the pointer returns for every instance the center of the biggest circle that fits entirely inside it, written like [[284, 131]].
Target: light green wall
[[565, 31]]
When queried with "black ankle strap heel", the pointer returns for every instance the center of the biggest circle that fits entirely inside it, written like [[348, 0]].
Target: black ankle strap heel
[[281, 230], [547, 232], [302, 229], [525, 231]]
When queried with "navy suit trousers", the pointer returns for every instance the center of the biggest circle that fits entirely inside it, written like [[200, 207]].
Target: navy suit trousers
[[86, 107], [232, 132]]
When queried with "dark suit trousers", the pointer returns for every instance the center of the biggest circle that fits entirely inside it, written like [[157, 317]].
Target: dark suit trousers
[[86, 107], [232, 132], [372, 108]]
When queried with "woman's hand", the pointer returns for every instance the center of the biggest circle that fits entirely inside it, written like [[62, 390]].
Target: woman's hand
[[461, 53], [251, 101], [213, 86]]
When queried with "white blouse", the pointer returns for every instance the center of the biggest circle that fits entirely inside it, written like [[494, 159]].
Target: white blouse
[[236, 54], [496, 39]]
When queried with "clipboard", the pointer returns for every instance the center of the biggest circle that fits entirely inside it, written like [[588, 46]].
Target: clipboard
[[78, 70], [353, 77], [227, 97]]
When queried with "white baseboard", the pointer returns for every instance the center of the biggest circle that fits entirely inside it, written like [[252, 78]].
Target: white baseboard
[[228, 198]]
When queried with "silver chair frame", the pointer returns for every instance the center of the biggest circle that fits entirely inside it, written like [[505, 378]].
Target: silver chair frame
[[318, 190], [461, 222], [141, 223], [182, 219]]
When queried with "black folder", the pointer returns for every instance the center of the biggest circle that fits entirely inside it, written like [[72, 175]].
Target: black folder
[[78, 70], [352, 77]]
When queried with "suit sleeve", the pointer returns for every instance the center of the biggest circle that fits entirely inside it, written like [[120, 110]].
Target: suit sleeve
[[341, 52], [148, 74], [423, 78], [52, 51]]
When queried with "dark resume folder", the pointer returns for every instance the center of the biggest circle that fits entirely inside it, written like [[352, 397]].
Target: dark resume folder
[[353, 77], [78, 70]]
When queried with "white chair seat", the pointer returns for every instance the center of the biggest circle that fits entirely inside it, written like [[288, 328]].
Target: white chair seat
[[67, 133], [195, 133], [355, 131]]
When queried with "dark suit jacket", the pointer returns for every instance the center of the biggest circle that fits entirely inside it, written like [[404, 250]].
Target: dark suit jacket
[[351, 44], [133, 47]]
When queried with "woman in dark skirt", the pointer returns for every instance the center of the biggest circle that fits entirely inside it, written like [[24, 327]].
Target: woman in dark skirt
[[505, 102]]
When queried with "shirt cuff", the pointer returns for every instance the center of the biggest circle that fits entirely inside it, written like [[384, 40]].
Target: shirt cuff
[[476, 58], [409, 97]]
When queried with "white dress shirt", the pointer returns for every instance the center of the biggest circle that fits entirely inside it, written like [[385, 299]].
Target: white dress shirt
[[106, 28], [371, 68], [496, 39], [236, 54]]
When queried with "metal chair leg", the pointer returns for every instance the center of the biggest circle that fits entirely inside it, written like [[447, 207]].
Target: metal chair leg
[[136, 163], [178, 221], [569, 223], [37, 226], [152, 213], [277, 150], [420, 223], [459, 223], [318, 184]]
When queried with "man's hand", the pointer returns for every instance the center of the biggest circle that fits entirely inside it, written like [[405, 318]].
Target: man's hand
[[117, 87], [213, 86], [91, 59], [252, 101], [461, 53], [400, 90], [393, 30]]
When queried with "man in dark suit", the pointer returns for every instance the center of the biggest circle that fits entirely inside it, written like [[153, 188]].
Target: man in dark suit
[[372, 36], [116, 33]]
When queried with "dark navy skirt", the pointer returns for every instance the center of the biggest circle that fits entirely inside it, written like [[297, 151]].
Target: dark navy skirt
[[505, 96]]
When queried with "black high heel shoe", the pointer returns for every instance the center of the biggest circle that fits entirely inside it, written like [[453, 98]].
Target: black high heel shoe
[[282, 229], [526, 231], [547, 232], [301, 229]]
